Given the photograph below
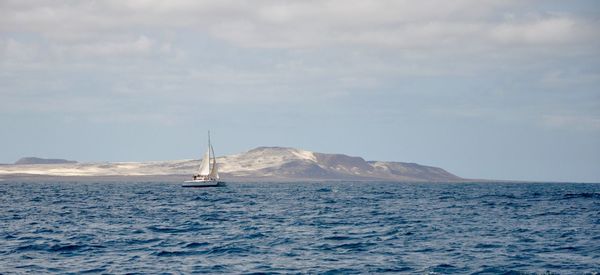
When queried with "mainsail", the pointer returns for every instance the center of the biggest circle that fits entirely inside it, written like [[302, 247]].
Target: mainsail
[[205, 166]]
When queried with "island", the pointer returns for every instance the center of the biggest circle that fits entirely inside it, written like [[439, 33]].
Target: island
[[268, 164]]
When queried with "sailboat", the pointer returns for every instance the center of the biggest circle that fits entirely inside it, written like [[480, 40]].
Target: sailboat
[[208, 174]]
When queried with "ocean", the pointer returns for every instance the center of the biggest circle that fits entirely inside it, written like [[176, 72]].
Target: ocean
[[329, 227]]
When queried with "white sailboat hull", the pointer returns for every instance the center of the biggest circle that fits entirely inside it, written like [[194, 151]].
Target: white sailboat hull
[[200, 183]]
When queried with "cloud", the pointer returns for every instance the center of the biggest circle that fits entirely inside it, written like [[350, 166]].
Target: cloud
[[13, 51], [542, 31], [414, 25], [572, 122], [137, 47], [558, 78], [287, 50]]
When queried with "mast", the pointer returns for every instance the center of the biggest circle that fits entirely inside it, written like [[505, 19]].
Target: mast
[[210, 159]]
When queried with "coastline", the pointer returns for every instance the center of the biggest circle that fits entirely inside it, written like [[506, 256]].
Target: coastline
[[177, 178]]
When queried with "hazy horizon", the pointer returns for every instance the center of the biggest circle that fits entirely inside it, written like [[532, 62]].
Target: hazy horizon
[[483, 89]]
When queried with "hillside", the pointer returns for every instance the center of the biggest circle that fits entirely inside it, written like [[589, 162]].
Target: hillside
[[261, 164]]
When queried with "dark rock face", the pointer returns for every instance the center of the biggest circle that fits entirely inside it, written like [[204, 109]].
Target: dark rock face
[[298, 169], [343, 161], [34, 160]]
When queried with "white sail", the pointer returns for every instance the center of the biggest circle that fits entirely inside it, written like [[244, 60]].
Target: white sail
[[205, 166], [214, 172]]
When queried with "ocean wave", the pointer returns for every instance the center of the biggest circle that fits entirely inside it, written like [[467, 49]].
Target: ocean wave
[[584, 195], [299, 228]]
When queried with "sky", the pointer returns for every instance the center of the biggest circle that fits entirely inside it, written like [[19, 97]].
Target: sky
[[482, 88]]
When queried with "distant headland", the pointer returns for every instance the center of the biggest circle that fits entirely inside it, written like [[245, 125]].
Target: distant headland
[[34, 160]]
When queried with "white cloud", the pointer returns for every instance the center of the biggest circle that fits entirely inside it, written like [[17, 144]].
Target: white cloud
[[391, 39], [12, 51], [542, 31], [572, 122], [558, 78], [139, 46], [435, 25]]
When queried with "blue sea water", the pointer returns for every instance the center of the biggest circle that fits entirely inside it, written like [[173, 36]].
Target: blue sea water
[[330, 227]]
